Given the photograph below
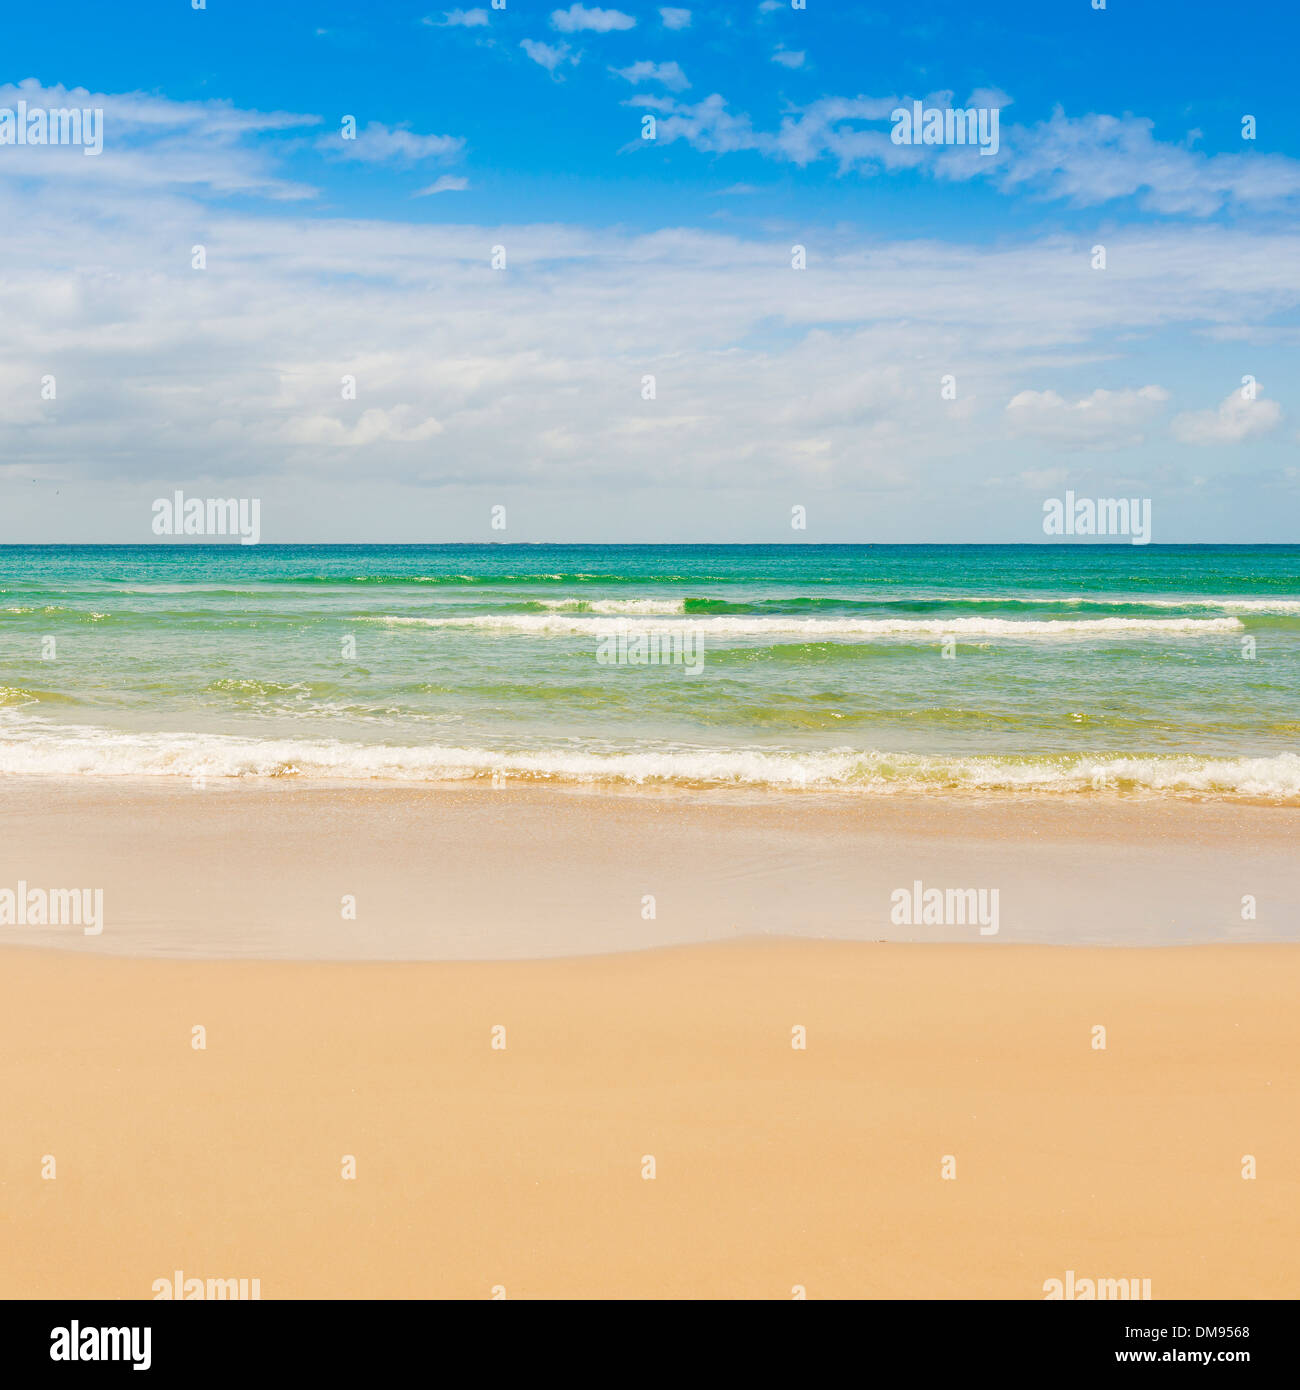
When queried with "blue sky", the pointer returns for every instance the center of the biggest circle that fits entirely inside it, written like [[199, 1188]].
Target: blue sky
[[670, 258], [545, 145]]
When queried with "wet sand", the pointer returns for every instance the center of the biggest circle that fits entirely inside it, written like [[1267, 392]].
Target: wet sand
[[300, 871]]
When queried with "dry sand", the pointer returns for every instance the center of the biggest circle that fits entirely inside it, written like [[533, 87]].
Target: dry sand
[[775, 1167]]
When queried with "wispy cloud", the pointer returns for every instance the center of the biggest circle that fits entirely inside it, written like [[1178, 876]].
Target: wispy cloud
[[1097, 158], [1087, 161], [151, 142], [669, 74], [459, 19], [578, 18], [376, 143], [548, 55], [446, 183]]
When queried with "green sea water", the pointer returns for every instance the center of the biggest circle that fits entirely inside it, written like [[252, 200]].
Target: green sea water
[[863, 669]]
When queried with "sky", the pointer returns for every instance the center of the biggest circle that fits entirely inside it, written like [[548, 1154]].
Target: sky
[[387, 268]]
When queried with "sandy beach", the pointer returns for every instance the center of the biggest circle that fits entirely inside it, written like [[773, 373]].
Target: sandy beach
[[521, 1168]]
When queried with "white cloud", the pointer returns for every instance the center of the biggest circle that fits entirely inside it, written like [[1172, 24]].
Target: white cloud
[[376, 143], [1087, 160], [1237, 418], [674, 18], [447, 183], [141, 113], [528, 375], [707, 125], [1102, 420], [577, 18], [989, 97], [824, 127], [1095, 159], [153, 143], [549, 55], [788, 58], [1043, 479], [669, 74], [530, 378], [464, 19], [399, 425]]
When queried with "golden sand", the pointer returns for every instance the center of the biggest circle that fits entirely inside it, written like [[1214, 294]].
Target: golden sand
[[523, 1168]]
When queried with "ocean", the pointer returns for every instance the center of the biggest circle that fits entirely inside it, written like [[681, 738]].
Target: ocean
[[864, 670]]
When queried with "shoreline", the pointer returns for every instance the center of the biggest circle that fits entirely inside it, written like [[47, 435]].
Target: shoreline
[[298, 871], [77, 752]]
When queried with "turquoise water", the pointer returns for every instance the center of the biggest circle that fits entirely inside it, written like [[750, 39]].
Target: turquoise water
[[1070, 667]]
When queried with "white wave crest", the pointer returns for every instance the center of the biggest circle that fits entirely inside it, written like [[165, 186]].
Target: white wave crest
[[815, 629], [34, 747], [642, 606]]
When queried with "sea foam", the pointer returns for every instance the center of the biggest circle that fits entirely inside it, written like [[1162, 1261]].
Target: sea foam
[[32, 747], [815, 629]]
